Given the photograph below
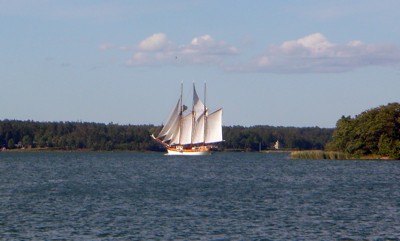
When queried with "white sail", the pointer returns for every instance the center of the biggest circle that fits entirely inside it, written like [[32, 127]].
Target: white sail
[[186, 130], [176, 137], [199, 116], [171, 127], [190, 134], [214, 127], [198, 106], [198, 131]]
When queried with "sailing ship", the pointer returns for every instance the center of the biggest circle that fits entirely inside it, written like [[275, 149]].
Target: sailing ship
[[192, 132]]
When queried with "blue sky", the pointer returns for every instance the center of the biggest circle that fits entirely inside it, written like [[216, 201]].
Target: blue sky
[[280, 63]]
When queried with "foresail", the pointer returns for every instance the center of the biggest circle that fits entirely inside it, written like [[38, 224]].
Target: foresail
[[175, 138], [214, 127], [171, 127]]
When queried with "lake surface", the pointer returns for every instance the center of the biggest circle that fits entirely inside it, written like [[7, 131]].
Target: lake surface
[[222, 196]]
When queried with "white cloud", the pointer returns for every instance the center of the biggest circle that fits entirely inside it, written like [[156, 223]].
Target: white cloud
[[310, 54], [157, 49], [157, 41], [315, 53], [202, 40], [316, 43], [207, 45]]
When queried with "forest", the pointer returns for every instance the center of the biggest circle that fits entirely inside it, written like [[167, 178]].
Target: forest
[[16, 134], [373, 132]]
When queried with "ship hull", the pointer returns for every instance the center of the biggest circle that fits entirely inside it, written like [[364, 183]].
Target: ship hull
[[197, 151]]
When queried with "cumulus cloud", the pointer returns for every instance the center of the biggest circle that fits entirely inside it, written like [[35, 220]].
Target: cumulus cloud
[[155, 42], [157, 49], [315, 53]]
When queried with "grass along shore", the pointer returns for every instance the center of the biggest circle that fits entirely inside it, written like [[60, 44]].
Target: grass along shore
[[319, 155], [332, 155]]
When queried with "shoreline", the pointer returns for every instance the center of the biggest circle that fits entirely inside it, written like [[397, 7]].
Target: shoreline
[[334, 155], [63, 150], [294, 154]]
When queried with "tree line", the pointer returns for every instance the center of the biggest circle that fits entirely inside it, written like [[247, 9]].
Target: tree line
[[373, 132], [264, 137], [108, 137]]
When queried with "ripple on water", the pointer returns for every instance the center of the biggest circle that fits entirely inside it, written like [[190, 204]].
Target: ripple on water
[[222, 196]]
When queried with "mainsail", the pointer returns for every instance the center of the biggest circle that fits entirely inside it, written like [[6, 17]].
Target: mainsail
[[186, 130], [194, 128], [214, 127], [198, 131]]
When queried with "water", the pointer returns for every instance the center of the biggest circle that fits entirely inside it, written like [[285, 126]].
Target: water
[[131, 196]]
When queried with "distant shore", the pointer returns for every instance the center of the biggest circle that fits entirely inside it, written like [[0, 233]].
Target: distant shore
[[62, 150], [333, 155], [294, 154]]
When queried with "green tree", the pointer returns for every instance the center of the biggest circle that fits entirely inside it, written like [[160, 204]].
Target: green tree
[[10, 144], [98, 136], [27, 141], [375, 131]]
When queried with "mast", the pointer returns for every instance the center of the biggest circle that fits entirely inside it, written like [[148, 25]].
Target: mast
[[193, 117], [205, 114], [191, 129], [180, 116]]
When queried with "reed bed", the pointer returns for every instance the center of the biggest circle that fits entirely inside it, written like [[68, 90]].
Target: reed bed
[[319, 155]]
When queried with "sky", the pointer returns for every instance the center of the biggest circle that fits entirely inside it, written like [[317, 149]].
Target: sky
[[279, 63]]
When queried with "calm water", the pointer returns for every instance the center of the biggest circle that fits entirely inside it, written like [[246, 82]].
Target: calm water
[[223, 196]]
